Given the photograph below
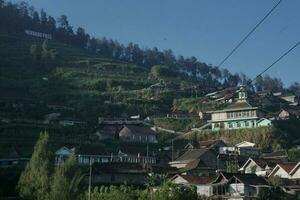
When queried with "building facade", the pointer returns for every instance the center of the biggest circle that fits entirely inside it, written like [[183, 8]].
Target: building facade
[[237, 115]]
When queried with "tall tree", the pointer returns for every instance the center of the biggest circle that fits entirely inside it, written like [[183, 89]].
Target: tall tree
[[66, 181], [34, 182]]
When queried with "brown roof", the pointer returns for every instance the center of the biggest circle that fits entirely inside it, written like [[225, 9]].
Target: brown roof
[[192, 154], [127, 168], [91, 150], [238, 105], [287, 166], [250, 179], [199, 180]]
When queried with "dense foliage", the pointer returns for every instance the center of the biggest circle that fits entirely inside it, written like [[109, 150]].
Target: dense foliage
[[41, 180]]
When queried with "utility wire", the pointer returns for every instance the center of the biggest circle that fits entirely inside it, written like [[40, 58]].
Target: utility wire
[[252, 30], [276, 61]]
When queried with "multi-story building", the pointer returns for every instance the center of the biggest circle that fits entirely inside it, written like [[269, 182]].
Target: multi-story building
[[239, 114]]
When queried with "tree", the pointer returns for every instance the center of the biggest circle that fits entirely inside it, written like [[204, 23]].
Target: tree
[[66, 181], [170, 191], [34, 182], [295, 88]]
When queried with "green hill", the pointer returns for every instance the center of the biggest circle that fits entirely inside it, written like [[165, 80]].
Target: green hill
[[79, 79]]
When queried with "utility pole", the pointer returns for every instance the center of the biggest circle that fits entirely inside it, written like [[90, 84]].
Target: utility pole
[[90, 179], [172, 150]]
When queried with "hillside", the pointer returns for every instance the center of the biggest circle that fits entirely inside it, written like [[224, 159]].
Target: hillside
[[77, 79]]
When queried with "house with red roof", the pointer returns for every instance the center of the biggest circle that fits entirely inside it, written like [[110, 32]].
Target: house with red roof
[[283, 170], [202, 183]]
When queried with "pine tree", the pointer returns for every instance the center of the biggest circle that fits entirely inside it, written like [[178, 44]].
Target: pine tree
[[66, 181], [34, 182]]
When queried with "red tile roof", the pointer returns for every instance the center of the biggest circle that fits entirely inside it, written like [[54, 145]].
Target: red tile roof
[[287, 166]]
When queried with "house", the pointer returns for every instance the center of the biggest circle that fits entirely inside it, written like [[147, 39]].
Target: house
[[245, 144], [238, 186], [108, 132], [198, 161], [283, 170], [133, 133], [295, 172], [243, 148], [97, 154], [202, 183], [84, 154], [258, 166], [247, 149], [290, 98], [288, 113], [263, 122], [119, 173], [237, 115], [134, 154]]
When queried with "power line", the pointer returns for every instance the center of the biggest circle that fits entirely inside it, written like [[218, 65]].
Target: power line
[[252, 30], [276, 61]]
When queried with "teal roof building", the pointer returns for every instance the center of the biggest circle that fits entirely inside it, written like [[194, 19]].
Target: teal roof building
[[237, 115]]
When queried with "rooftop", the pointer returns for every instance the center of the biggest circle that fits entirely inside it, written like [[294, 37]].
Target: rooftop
[[199, 180]]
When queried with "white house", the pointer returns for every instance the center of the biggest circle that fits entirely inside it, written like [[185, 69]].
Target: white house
[[283, 170], [295, 172], [260, 167], [202, 183]]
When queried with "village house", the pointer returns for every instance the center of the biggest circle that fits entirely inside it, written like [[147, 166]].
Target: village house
[[119, 173], [84, 154], [96, 154], [283, 170], [289, 113], [198, 162], [243, 149], [290, 98], [238, 186], [238, 115], [295, 173], [202, 183], [133, 133], [108, 132], [258, 166]]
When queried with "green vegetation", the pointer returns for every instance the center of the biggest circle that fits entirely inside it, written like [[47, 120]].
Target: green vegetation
[[283, 134], [196, 104], [41, 180], [176, 124], [264, 137], [166, 191], [34, 182]]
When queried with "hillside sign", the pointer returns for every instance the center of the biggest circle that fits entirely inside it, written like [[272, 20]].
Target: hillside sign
[[38, 34]]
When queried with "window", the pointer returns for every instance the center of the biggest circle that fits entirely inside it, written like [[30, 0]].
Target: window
[[239, 124], [246, 123], [230, 125]]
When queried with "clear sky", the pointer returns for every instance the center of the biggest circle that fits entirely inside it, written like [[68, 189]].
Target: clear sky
[[206, 29]]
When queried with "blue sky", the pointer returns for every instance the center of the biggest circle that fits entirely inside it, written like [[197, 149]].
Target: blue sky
[[206, 29]]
